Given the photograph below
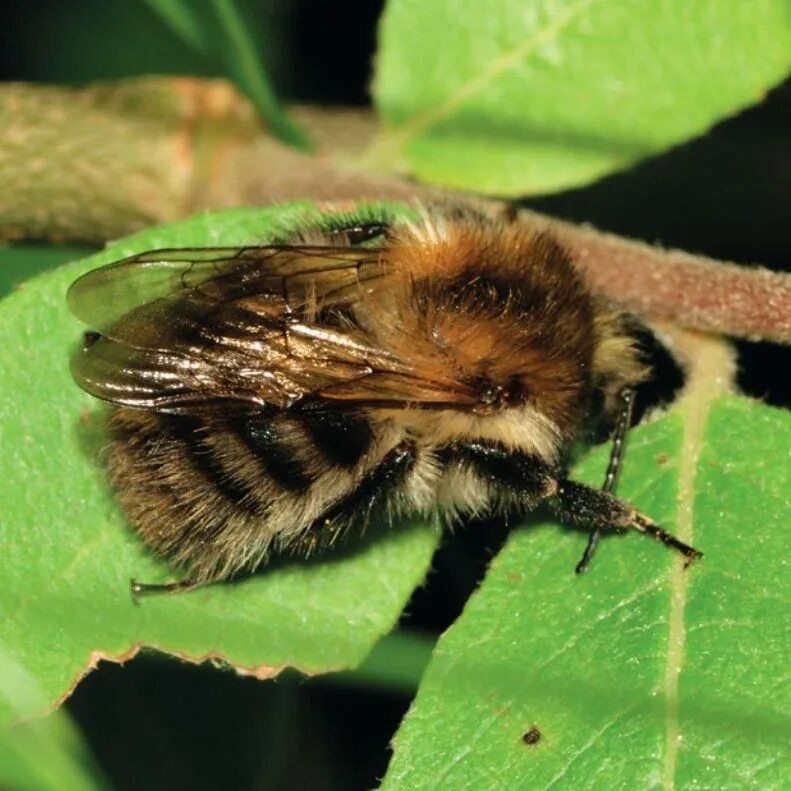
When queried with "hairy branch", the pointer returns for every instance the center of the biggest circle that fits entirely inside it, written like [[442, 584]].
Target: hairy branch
[[694, 291], [99, 162]]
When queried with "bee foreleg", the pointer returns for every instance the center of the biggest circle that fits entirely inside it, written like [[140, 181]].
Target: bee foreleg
[[521, 475], [579, 504]]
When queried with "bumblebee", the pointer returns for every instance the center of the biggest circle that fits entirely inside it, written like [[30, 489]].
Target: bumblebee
[[274, 398]]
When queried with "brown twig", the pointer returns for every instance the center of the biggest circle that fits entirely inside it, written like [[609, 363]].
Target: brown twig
[[697, 292], [99, 162]]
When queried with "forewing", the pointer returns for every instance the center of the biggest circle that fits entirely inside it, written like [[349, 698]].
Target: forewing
[[103, 297], [239, 328]]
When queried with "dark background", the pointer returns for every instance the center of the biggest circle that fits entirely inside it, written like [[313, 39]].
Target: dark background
[[157, 723]]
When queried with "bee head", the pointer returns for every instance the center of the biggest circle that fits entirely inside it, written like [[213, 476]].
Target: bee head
[[495, 397]]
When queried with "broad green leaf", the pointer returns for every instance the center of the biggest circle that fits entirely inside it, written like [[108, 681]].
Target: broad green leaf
[[68, 555], [638, 674], [519, 97]]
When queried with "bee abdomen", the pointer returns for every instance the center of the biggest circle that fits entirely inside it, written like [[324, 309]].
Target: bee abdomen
[[264, 439], [215, 495], [341, 437], [189, 437]]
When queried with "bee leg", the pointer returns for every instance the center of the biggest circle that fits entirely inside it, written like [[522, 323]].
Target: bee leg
[[375, 488], [515, 473], [572, 502], [138, 589], [576, 503], [613, 468]]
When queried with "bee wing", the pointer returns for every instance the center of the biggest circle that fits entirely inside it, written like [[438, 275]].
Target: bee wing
[[103, 296], [235, 329]]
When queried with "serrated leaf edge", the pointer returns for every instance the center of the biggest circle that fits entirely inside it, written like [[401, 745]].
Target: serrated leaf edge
[[262, 672]]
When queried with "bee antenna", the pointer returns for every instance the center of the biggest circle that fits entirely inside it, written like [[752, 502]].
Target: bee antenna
[[138, 589], [613, 468]]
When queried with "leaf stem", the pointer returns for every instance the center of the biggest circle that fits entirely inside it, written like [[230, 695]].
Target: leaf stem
[[180, 18]]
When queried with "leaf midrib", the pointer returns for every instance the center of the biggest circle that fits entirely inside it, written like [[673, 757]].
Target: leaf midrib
[[395, 138], [705, 384]]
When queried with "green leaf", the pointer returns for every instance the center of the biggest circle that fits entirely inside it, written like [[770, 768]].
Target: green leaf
[[68, 555], [519, 98], [396, 663], [40, 754], [638, 674]]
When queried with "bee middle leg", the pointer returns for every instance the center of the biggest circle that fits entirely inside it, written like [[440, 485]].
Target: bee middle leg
[[375, 489]]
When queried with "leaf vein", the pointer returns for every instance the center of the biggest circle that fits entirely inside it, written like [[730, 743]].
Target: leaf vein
[[399, 137]]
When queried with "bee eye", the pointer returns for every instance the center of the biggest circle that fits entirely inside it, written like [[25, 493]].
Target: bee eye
[[491, 396], [512, 394]]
